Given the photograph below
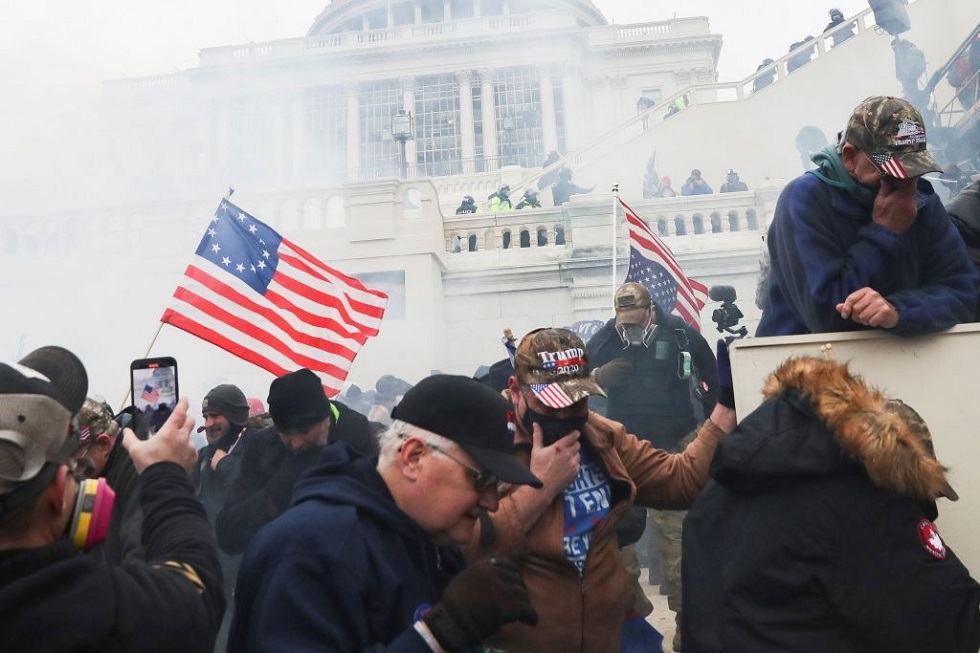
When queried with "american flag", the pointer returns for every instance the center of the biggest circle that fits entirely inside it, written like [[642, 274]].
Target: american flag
[[150, 394], [260, 297], [890, 165], [653, 265], [551, 395]]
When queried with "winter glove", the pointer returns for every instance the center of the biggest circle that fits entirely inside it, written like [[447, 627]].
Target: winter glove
[[726, 388], [479, 600], [280, 486], [616, 373]]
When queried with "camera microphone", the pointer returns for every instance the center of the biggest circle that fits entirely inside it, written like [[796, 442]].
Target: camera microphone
[[722, 293]]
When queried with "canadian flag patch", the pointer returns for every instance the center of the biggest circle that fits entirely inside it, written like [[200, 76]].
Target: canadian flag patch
[[931, 542]]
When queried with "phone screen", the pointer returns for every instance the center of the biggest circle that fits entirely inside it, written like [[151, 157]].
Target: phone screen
[[154, 388]]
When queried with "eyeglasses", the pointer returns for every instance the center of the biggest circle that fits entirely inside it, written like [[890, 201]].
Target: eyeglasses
[[482, 480]]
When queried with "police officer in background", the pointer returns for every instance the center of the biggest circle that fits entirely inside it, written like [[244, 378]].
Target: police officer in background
[[660, 378]]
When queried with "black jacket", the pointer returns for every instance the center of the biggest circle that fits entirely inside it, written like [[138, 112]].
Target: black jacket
[[657, 404], [814, 535], [124, 542], [55, 599], [268, 472], [964, 211], [362, 569]]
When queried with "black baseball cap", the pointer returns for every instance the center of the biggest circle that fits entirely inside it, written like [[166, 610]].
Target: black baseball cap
[[470, 414]]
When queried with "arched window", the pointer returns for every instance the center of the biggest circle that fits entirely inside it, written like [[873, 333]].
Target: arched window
[[472, 242], [698, 223], [542, 237], [559, 235], [455, 244], [662, 227], [679, 227], [525, 238], [312, 214], [733, 221], [336, 214], [751, 219], [715, 222], [506, 240]]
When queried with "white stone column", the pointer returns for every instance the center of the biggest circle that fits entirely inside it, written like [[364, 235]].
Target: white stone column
[[353, 130], [467, 128], [548, 123], [571, 91], [298, 133], [447, 12], [408, 102], [488, 106]]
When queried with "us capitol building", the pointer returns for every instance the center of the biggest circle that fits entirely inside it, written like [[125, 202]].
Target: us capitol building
[[358, 140]]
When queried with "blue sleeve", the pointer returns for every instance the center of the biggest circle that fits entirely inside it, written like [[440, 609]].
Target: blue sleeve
[[947, 294]]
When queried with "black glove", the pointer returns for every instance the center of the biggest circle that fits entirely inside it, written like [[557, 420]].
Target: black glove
[[479, 600], [280, 486], [616, 373], [726, 388]]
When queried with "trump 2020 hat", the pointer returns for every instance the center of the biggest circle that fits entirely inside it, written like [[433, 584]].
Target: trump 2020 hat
[[553, 364], [470, 414], [892, 133]]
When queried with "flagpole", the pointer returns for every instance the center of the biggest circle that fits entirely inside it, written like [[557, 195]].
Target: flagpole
[[146, 354], [615, 224]]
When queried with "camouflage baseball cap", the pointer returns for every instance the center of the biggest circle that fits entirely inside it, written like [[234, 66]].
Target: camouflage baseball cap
[[631, 302], [95, 418], [553, 364], [893, 134], [918, 427]]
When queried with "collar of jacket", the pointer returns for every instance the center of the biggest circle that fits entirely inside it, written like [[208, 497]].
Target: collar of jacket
[[893, 456]]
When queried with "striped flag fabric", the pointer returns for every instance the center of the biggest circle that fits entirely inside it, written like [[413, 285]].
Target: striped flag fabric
[[264, 299], [150, 394], [551, 395], [653, 265]]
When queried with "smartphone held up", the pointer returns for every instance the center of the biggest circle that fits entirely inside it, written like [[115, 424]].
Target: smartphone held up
[[153, 387]]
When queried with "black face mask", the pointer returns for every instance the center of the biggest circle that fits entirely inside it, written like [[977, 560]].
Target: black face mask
[[552, 428]]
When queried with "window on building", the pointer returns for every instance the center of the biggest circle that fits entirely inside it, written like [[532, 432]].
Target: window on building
[[698, 223], [559, 235], [506, 240], [715, 222], [680, 228], [379, 101], [491, 7], [312, 213], [733, 221], [542, 237], [461, 9], [751, 219], [437, 136], [431, 11], [403, 13], [662, 227], [336, 212], [472, 242], [653, 95], [518, 103], [525, 238], [326, 132]]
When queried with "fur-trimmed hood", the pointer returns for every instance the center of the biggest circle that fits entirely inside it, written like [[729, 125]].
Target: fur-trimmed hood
[[820, 420]]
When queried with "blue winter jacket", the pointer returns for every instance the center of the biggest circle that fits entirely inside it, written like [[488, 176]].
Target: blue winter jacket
[[344, 569], [824, 246]]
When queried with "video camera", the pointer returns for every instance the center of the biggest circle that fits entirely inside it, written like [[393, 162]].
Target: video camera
[[728, 314]]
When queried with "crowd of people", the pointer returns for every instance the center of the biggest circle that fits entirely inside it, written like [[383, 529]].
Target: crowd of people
[[506, 512]]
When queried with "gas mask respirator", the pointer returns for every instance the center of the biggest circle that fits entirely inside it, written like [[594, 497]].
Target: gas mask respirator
[[636, 335], [89, 524]]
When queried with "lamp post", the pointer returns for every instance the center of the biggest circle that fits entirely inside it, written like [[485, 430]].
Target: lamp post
[[402, 131]]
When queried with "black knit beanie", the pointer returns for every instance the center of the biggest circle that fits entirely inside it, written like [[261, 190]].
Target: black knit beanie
[[229, 401]]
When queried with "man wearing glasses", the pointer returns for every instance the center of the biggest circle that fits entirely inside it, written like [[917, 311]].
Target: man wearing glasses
[[862, 241], [367, 559]]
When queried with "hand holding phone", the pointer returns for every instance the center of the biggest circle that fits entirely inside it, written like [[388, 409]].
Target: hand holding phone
[[153, 384]]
